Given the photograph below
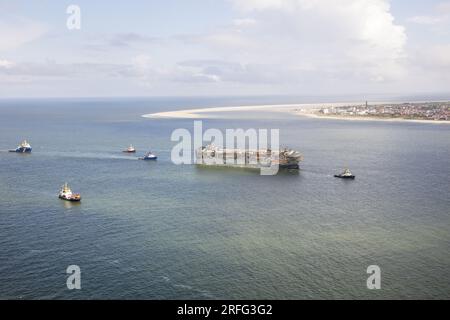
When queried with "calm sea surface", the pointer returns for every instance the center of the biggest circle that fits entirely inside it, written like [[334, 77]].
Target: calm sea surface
[[160, 231]]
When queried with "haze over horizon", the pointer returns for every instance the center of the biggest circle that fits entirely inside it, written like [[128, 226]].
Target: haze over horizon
[[225, 47]]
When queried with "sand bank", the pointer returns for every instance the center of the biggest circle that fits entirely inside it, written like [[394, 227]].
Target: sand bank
[[207, 113], [301, 109]]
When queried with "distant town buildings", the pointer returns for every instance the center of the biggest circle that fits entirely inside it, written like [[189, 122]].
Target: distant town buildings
[[416, 111]]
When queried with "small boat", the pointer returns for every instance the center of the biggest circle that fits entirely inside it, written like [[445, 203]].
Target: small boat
[[66, 194], [130, 149], [345, 175], [24, 147], [149, 156]]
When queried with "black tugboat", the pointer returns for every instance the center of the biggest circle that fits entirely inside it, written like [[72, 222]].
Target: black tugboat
[[345, 175], [149, 156]]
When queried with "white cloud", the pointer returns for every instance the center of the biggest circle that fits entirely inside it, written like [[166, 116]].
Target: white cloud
[[244, 22], [5, 64], [64, 71], [255, 5], [436, 57], [126, 39], [16, 31], [440, 15], [426, 20], [301, 44], [356, 39], [443, 7], [269, 46]]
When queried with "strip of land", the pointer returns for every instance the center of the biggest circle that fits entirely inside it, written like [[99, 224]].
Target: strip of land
[[205, 113], [420, 112], [208, 113], [362, 118]]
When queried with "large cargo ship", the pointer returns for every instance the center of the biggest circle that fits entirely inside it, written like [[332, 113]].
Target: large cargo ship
[[244, 158]]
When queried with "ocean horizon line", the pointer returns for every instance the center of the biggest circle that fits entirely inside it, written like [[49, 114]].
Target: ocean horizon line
[[357, 96]]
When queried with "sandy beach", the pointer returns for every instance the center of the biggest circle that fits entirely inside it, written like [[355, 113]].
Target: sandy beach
[[301, 110], [208, 113], [356, 118]]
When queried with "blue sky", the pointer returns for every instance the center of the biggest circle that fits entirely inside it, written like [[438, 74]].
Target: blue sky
[[224, 47]]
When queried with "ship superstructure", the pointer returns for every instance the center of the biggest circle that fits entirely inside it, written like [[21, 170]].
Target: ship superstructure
[[66, 194], [23, 147], [149, 156], [345, 175], [246, 158], [130, 149]]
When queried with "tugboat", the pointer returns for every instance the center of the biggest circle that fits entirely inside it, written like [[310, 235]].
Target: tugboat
[[66, 194], [149, 156], [130, 149], [24, 147], [345, 175]]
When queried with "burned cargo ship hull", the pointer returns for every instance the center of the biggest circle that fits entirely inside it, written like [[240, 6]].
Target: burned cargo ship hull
[[243, 158]]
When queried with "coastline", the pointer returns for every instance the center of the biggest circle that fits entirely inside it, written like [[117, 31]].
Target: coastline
[[205, 113], [315, 116], [301, 110]]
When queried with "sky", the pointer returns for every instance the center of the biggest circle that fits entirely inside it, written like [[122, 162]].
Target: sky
[[224, 48]]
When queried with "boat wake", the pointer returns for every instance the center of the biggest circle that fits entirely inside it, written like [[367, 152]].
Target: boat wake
[[89, 155]]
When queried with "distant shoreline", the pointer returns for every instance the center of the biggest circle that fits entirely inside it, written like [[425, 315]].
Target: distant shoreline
[[301, 109], [362, 118], [206, 113]]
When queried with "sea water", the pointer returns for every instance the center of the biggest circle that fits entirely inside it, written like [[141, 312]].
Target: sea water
[[155, 230]]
